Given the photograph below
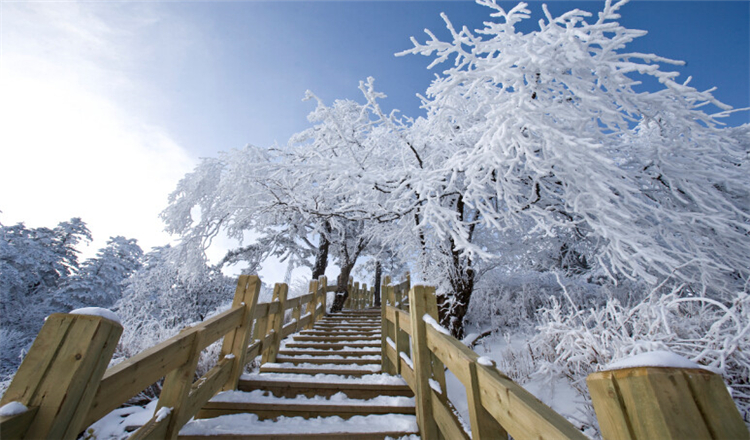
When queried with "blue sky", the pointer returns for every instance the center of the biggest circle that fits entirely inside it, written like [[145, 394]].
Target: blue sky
[[105, 105]]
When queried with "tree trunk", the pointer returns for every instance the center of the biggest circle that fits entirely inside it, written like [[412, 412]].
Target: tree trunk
[[342, 292], [452, 307], [321, 258], [378, 275]]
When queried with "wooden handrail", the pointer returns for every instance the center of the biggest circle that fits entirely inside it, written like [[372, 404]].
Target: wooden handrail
[[174, 359], [632, 404], [496, 404]]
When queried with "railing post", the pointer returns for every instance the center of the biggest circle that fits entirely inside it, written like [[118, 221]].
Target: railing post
[[322, 296], [296, 314], [175, 392], [665, 403], [483, 425], [312, 304], [384, 363], [236, 341], [60, 374], [275, 322], [422, 301], [363, 296]]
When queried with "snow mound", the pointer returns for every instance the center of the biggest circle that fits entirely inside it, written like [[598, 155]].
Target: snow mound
[[659, 358], [12, 409], [97, 311]]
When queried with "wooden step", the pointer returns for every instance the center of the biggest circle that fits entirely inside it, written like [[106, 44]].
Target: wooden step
[[330, 352], [327, 360], [302, 338], [332, 345], [248, 427], [340, 331], [267, 406], [313, 369], [292, 385]]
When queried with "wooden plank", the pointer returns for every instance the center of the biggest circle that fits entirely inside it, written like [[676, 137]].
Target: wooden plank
[[64, 390], [453, 353], [37, 361], [310, 309], [274, 307], [667, 403], [390, 352], [483, 425], [419, 297], [461, 361], [217, 326], [518, 411], [291, 303], [304, 322], [261, 310], [408, 375], [129, 377], [253, 350], [153, 429], [275, 322], [205, 388], [390, 313], [176, 389], [307, 436], [288, 329], [716, 406], [306, 298], [13, 427], [385, 365], [609, 407], [236, 341], [446, 419], [266, 410], [404, 321]]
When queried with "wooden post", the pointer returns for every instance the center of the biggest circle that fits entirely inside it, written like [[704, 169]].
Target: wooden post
[[60, 374], [312, 304], [323, 294], [665, 403], [363, 297], [236, 341], [275, 322], [384, 364], [176, 389], [483, 425], [355, 297], [296, 314], [419, 300]]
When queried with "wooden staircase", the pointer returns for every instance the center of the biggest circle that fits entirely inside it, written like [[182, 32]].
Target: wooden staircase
[[325, 383]]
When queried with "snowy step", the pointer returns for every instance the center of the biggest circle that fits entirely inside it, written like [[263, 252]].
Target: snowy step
[[333, 345], [267, 406], [335, 338], [338, 331], [248, 426], [313, 369], [314, 352], [292, 385], [338, 360]]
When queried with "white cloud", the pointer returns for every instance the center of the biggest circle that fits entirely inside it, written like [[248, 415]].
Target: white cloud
[[68, 146]]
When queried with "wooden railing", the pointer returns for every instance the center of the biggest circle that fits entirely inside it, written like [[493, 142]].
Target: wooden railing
[[63, 383], [360, 297], [631, 404]]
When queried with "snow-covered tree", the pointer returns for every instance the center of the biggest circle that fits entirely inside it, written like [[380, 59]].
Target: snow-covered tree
[[34, 262], [168, 293], [98, 283], [559, 139]]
